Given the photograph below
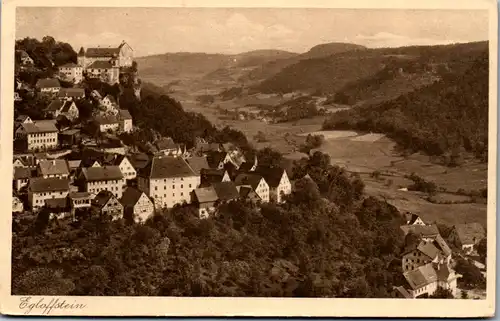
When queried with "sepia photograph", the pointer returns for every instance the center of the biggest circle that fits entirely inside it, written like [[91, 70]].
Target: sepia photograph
[[201, 153]]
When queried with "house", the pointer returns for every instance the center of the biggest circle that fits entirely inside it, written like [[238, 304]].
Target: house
[[466, 236], [197, 163], [256, 182], [107, 123], [53, 168], [139, 160], [126, 124], [41, 189], [108, 102], [209, 176], [40, 135], [205, 198], [426, 279], [80, 200], [105, 178], [167, 146], [217, 160], [17, 97], [104, 71], [58, 207], [226, 191], [426, 232], [105, 203], [24, 57], [72, 72], [421, 254], [121, 56], [65, 108], [71, 93], [126, 167], [21, 177], [22, 119], [248, 193], [249, 166], [413, 219], [48, 85], [17, 205], [278, 181], [168, 181], [96, 95], [137, 205], [70, 137]]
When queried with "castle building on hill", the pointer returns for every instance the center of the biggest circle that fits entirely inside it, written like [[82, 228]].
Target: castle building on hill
[[105, 62]]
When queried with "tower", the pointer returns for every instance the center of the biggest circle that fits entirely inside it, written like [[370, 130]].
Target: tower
[[81, 57]]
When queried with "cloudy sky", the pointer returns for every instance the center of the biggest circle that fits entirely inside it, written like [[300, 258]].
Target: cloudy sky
[[159, 30]]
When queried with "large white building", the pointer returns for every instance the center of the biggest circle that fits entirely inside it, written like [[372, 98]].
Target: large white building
[[72, 72], [41, 189], [105, 178], [121, 56], [168, 181], [40, 135]]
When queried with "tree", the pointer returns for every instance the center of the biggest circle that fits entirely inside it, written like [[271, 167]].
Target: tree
[[481, 249], [442, 293], [471, 275]]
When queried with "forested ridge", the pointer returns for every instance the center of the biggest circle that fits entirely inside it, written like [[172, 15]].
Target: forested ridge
[[449, 116]]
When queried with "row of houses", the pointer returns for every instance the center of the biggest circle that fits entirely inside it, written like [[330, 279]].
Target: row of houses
[[427, 263]]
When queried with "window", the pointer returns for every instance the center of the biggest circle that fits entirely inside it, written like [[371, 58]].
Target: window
[[189, 185], [182, 186], [182, 194], [156, 188], [173, 186]]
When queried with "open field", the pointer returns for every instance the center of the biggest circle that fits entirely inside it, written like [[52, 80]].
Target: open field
[[364, 154]]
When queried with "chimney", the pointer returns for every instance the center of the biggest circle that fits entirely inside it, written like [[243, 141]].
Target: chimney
[[53, 162]]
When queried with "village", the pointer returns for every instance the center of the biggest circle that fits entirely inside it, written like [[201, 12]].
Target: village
[[60, 168]]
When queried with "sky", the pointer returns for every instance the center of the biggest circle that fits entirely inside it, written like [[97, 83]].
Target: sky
[[217, 30]]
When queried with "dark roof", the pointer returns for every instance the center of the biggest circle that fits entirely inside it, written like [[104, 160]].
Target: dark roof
[[441, 244], [22, 118], [423, 230], [248, 192], [167, 167], [102, 198], [421, 276], [125, 114], [81, 52], [215, 158], [130, 196], [56, 203], [428, 249], [48, 83], [246, 166], [411, 218], [102, 52], [77, 195], [248, 179], [22, 173], [198, 163], [100, 65], [55, 105], [69, 65], [206, 194], [165, 143], [53, 167], [139, 160], [272, 175], [403, 292], [469, 233], [39, 127], [71, 92], [209, 176], [105, 120], [226, 191], [102, 173], [40, 184]]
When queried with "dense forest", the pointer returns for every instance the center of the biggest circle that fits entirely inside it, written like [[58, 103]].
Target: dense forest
[[326, 241], [445, 118], [358, 68]]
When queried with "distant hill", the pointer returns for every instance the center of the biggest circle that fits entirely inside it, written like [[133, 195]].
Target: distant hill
[[271, 68], [367, 70], [259, 57], [445, 118]]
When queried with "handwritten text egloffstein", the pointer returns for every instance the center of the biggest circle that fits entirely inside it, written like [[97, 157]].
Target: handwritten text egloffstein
[[45, 306]]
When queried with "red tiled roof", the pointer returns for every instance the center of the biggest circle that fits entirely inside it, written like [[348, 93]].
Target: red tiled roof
[[100, 65], [48, 83], [102, 52], [53, 167], [469, 233], [167, 167], [102, 173]]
